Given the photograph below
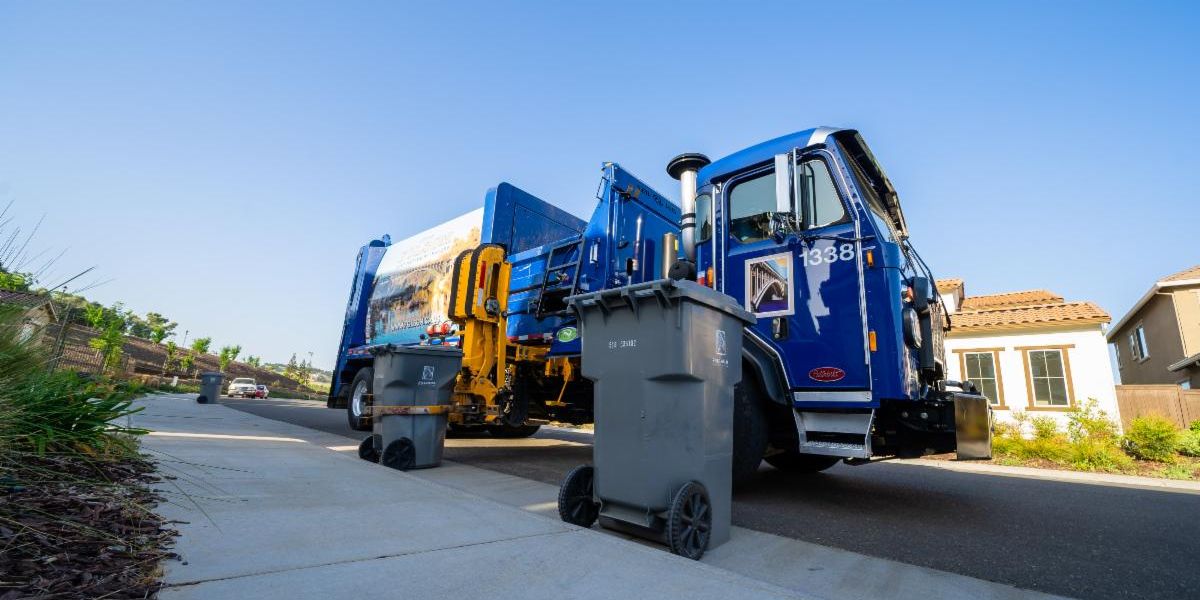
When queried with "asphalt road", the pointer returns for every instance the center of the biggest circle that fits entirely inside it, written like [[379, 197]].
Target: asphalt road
[[1084, 541]]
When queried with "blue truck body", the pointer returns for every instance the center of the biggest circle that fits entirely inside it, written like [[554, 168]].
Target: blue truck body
[[540, 238], [845, 360]]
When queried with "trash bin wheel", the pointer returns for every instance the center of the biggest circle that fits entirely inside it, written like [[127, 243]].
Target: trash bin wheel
[[576, 504], [201, 399], [400, 454], [689, 521], [366, 449]]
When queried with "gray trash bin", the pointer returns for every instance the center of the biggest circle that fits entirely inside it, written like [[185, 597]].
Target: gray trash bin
[[664, 356], [413, 390], [210, 387]]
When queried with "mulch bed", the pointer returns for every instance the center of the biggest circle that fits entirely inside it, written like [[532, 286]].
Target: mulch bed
[[71, 528]]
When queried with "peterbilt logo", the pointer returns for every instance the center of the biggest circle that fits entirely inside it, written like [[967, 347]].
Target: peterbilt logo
[[826, 374]]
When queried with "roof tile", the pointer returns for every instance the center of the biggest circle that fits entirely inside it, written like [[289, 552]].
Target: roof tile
[[948, 285], [1192, 273], [1007, 299], [1018, 316]]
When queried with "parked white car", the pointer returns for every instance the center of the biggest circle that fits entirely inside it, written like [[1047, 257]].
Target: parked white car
[[243, 387]]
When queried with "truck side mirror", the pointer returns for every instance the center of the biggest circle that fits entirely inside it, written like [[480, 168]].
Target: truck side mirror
[[783, 183]]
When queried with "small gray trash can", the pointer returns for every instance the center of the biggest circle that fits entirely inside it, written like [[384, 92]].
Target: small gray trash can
[[210, 387], [413, 391], [664, 356]]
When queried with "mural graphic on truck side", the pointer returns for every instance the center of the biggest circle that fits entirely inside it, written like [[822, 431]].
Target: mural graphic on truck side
[[769, 285], [412, 285]]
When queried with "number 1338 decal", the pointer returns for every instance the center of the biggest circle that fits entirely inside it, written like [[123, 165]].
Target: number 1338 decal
[[828, 254]]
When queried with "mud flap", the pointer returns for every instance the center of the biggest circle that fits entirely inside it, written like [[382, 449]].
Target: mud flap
[[972, 426]]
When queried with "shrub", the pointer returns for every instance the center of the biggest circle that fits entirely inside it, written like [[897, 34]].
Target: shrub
[[1189, 442], [60, 412], [43, 411], [1054, 449], [1098, 454], [1089, 422], [1152, 438], [1179, 471], [1044, 428], [1195, 426]]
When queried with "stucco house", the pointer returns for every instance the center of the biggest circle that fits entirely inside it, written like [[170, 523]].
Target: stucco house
[[1158, 340], [1029, 351]]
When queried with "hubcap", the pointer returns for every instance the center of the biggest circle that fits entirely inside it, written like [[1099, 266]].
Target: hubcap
[[356, 399]]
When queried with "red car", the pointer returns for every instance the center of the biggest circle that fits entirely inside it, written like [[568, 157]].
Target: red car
[[261, 391]]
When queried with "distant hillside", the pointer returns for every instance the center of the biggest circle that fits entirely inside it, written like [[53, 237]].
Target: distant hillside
[[144, 357]]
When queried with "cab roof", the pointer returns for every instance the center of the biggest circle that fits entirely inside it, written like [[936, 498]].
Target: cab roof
[[763, 152]]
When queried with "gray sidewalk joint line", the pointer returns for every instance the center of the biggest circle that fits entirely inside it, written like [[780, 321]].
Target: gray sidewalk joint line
[[367, 559]]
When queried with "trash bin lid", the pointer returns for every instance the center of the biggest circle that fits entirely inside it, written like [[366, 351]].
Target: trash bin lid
[[670, 289], [441, 350], [212, 374]]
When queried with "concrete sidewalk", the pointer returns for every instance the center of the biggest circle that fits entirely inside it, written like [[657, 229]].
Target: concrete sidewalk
[[271, 510]]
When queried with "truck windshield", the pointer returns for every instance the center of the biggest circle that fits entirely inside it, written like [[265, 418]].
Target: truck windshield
[[879, 213]]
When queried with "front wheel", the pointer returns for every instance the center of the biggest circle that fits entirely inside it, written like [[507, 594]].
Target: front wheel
[[792, 461], [358, 407], [749, 432]]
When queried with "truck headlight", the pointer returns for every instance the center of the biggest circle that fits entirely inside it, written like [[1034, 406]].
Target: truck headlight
[[912, 328]]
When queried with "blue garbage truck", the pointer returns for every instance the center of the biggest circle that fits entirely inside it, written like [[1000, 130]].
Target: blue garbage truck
[[845, 360]]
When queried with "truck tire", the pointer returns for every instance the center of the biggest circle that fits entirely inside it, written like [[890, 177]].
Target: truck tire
[[791, 461], [358, 405], [749, 431], [512, 432]]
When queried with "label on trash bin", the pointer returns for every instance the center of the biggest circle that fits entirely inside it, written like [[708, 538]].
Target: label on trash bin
[[622, 344], [720, 348], [427, 376]]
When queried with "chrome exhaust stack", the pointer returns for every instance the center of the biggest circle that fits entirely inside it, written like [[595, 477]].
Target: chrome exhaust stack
[[684, 168]]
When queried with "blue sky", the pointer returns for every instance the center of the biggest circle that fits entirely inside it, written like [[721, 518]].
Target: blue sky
[[223, 161]]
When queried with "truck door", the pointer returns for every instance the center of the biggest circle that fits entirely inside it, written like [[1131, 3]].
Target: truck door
[[793, 258]]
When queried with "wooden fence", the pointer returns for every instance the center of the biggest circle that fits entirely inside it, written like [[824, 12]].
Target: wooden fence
[[1169, 401]]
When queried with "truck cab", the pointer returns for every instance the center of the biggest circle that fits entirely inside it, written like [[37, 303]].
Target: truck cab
[[845, 359]]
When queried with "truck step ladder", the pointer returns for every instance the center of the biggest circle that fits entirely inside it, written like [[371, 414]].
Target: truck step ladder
[[562, 273]]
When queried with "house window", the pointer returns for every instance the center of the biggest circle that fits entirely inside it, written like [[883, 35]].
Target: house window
[[1143, 350], [1048, 377], [980, 368]]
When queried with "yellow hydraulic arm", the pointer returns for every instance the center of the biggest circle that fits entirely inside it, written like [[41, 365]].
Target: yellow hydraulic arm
[[478, 301]]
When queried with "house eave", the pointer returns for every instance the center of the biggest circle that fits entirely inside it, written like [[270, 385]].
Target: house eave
[[959, 331], [1157, 287], [1185, 363]]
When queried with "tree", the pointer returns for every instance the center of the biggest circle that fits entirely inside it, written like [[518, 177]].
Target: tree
[[111, 341], [94, 313], [160, 327], [200, 345], [254, 361], [293, 368], [228, 354], [186, 363], [172, 351], [15, 282]]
